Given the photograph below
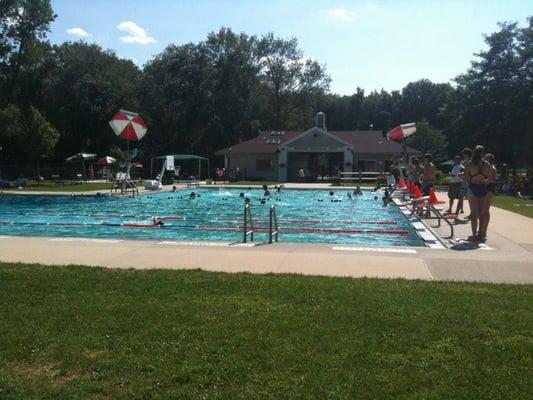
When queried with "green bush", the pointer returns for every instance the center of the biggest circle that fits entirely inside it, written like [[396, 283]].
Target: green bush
[[443, 180]]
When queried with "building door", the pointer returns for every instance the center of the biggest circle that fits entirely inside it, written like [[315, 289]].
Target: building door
[[317, 166]]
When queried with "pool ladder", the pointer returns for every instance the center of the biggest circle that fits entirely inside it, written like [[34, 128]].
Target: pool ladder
[[272, 224], [248, 224]]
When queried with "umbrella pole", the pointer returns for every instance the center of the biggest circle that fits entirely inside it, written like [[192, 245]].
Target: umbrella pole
[[128, 164], [405, 160]]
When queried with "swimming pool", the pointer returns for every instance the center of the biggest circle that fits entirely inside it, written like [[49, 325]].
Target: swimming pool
[[304, 216]]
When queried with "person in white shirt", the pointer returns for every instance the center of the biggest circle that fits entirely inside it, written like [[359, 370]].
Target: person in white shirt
[[454, 192]]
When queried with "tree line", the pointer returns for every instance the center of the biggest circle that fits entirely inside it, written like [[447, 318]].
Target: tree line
[[56, 100]]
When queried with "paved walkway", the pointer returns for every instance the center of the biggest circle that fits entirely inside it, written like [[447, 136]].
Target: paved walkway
[[506, 258]]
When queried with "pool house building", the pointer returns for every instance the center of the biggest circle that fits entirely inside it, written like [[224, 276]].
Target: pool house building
[[322, 154]]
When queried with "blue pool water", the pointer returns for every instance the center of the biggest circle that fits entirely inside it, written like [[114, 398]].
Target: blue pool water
[[304, 216]]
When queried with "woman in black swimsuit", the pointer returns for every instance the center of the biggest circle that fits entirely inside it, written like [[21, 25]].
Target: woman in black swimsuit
[[476, 174], [491, 191]]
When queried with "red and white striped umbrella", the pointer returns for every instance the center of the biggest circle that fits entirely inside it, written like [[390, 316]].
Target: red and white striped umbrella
[[104, 161], [401, 132], [128, 125]]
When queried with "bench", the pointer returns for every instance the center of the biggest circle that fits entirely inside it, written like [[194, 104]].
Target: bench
[[56, 179], [358, 176]]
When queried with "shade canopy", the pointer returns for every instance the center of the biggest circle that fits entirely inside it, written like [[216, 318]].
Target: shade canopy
[[448, 163], [81, 157], [401, 132], [106, 160], [180, 157], [128, 125]]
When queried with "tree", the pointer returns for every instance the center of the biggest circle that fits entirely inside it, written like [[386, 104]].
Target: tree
[[11, 130], [429, 140], [40, 137], [27, 135], [177, 96], [23, 26], [493, 104], [291, 83], [84, 87], [424, 99]]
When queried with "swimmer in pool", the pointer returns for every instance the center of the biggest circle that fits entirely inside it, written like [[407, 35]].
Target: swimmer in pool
[[192, 196], [241, 194], [357, 191], [174, 188], [156, 221], [332, 193], [386, 198]]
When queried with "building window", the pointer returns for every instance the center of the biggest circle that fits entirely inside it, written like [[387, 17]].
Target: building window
[[367, 165], [371, 165], [264, 165]]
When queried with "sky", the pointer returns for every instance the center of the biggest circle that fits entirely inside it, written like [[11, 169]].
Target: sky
[[372, 44]]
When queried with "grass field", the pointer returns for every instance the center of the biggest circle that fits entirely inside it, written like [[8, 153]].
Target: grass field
[[67, 187], [87, 333], [517, 205]]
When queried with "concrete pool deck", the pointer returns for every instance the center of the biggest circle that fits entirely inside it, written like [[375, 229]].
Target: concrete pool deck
[[507, 256]]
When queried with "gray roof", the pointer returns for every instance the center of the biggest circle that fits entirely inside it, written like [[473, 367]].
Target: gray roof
[[364, 142]]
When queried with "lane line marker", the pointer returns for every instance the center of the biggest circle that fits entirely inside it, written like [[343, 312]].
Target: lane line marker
[[194, 243], [89, 240], [375, 249], [207, 244]]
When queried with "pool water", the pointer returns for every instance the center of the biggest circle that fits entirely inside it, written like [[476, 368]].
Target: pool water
[[304, 216]]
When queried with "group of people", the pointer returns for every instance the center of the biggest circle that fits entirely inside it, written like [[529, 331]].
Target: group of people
[[423, 173], [473, 177]]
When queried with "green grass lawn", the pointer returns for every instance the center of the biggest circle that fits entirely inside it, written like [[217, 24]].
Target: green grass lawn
[[88, 333], [517, 205], [67, 187]]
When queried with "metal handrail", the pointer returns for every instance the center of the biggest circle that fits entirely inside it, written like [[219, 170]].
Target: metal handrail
[[248, 219], [272, 223], [439, 217]]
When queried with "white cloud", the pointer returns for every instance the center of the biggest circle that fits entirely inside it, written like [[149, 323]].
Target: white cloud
[[340, 13], [136, 34], [77, 32]]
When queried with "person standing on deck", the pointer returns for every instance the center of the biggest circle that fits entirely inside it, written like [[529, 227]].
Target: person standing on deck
[[430, 172], [491, 191], [476, 174], [465, 190], [415, 171], [301, 175], [454, 192]]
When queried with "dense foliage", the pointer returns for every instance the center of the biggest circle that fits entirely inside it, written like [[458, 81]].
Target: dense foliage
[[200, 97]]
